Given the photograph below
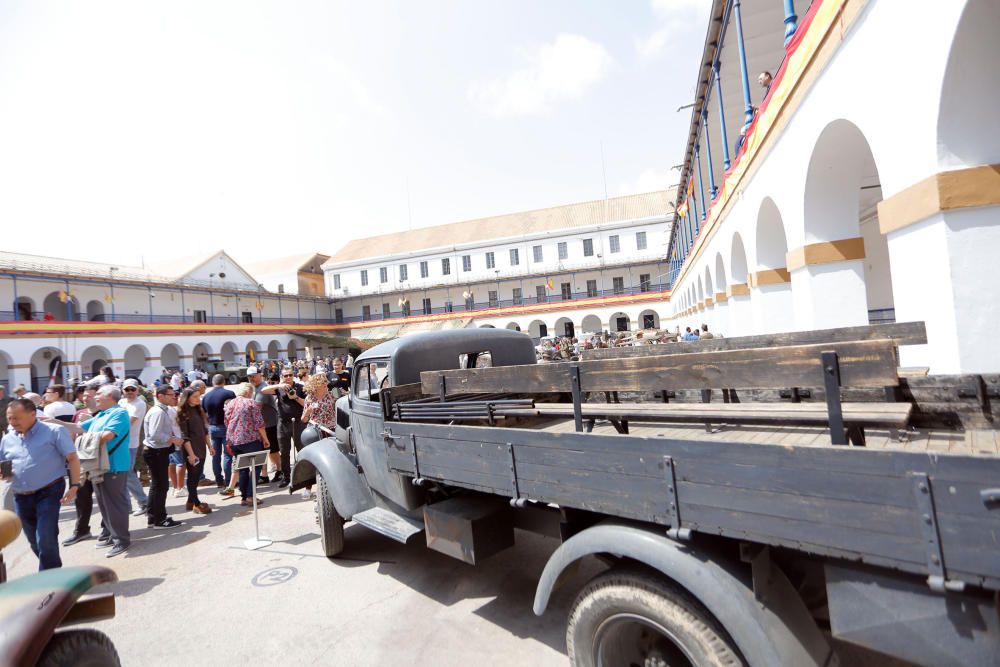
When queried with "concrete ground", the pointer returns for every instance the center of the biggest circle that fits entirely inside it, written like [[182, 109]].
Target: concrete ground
[[195, 595]]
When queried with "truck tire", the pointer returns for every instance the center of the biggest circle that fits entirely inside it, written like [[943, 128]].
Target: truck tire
[[79, 648], [630, 616], [331, 524], [233, 378]]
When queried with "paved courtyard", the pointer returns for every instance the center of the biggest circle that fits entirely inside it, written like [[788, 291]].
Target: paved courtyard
[[194, 595]]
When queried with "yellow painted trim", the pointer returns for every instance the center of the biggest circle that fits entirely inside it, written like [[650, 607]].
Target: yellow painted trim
[[825, 253], [721, 297], [701, 305], [738, 289], [945, 191], [770, 277], [709, 302], [13, 366]]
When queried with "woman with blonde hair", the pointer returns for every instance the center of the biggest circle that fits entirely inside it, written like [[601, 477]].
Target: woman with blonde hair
[[320, 409]]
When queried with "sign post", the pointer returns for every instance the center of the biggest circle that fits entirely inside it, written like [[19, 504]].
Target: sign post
[[251, 461]]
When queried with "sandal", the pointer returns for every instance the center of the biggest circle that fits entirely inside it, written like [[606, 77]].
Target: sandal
[[227, 493]]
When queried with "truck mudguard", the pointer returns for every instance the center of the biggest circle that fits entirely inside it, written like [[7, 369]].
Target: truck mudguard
[[348, 489], [780, 632]]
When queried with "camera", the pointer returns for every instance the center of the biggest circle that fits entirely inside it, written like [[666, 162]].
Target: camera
[[291, 393]]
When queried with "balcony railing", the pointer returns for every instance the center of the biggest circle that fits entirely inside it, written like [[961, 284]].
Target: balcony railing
[[8, 316]]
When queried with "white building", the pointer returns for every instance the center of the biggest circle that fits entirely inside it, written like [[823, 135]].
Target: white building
[[868, 186], [591, 266], [139, 320]]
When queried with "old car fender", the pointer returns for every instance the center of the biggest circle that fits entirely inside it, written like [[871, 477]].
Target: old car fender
[[348, 489], [779, 632]]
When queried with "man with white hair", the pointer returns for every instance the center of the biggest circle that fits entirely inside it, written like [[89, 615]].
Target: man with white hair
[[112, 422]]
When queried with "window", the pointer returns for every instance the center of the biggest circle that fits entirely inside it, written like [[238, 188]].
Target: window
[[567, 291], [424, 272], [385, 311], [338, 315], [536, 252], [427, 306], [648, 321], [246, 317], [640, 240], [563, 252], [404, 272], [568, 329], [644, 283], [494, 301], [466, 263], [591, 288], [369, 378], [366, 313], [448, 307], [618, 283], [405, 308], [336, 281], [200, 316], [588, 247], [614, 244], [470, 301], [364, 277], [446, 267], [543, 331], [491, 260], [515, 258], [540, 294], [517, 296], [383, 274]]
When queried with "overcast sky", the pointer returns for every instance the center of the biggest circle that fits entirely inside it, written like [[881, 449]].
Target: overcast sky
[[131, 129]]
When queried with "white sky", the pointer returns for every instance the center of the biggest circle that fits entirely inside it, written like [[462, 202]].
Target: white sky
[[138, 129]]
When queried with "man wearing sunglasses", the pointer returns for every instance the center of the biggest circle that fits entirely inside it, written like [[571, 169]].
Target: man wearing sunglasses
[[290, 400], [136, 407]]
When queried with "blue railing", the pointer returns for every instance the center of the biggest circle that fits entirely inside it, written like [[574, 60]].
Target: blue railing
[[8, 316]]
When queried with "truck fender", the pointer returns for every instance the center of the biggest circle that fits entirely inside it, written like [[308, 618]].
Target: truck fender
[[348, 490], [778, 633]]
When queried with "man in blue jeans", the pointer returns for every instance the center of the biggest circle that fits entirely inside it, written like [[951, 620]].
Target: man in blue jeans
[[40, 454], [214, 402]]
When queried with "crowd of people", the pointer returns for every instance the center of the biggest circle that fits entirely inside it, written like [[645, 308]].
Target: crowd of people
[[569, 348], [74, 443]]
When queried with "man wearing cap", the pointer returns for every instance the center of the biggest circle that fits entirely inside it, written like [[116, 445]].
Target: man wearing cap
[[20, 390], [135, 405], [269, 411]]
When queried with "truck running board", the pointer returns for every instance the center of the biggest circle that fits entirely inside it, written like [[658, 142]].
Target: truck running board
[[390, 524]]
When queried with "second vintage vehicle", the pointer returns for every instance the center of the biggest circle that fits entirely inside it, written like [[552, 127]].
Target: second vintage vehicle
[[718, 551], [233, 371]]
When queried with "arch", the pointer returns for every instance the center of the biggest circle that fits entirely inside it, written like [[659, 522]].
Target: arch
[[514, 326], [486, 326], [970, 95], [720, 273], [95, 311], [538, 329], [619, 322], [649, 319], [68, 310], [93, 359], [200, 352], [591, 324], [135, 360], [24, 306], [772, 244], [5, 363], [738, 260], [274, 350], [252, 351], [701, 291], [170, 356], [42, 365], [228, 351], [293, 350], [564, 327], [709, 290]]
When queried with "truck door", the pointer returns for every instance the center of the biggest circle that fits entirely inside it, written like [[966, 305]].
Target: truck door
[[367, 425]]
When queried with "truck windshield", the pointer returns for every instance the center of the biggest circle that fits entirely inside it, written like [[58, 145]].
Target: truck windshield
[[370, 377]]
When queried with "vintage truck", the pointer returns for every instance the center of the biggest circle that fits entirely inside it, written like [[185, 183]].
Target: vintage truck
[[718, 552], [233, 371]]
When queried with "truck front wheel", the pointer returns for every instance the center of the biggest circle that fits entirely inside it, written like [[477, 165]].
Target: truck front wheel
[[233, 378], [331, 524], [632, 617]]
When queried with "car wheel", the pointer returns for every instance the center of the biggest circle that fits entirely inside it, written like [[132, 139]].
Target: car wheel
[[331, 524], [79, 648]]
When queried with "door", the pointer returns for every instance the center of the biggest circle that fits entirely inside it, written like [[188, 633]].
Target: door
[[367, 425]]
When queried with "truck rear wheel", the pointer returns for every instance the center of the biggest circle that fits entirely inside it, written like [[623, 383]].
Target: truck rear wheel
[[632, 617], [87, 648], [233, 378], [331, 524]]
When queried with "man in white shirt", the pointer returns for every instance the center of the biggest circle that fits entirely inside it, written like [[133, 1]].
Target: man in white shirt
[[193, 375], [176, 381], [136, 407], [55, 404]]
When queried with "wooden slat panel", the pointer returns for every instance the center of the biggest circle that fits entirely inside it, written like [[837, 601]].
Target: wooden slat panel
[[862, 364], [905, 333]]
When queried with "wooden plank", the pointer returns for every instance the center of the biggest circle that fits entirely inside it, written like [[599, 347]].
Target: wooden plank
[[905, 333], [862, 364]]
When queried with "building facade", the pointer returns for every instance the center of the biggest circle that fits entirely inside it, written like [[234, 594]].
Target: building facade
[[586, 267]]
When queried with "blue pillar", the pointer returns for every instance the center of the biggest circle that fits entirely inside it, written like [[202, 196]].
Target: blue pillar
[[183, 309], [695, 202], [281, 318], [791, 20], [112, 287], [747, 105], [722, 117], [150, 291], [16, 312], [211, 305], [701, 184], [708, 152]]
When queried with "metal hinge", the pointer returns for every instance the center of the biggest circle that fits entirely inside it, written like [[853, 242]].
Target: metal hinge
[[675, 531], [924, 496]]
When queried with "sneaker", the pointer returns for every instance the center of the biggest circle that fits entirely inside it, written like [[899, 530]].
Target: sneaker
[[263, 479], [227, 492], [140, 511], [306, 494], [205, 482], [77, 537], [167, 523], [178, 493], [117, 550], [283, 483], [104, 543]]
